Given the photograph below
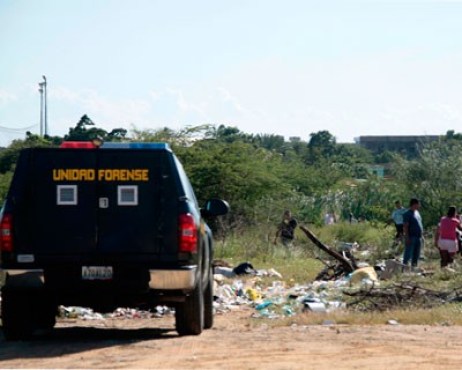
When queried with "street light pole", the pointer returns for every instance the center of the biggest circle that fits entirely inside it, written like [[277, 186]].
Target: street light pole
[[45, 106], [41, 107]]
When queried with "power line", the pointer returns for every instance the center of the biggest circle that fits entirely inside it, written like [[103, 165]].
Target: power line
[[18, 130]]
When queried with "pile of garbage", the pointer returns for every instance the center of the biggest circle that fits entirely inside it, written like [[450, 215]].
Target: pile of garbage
[[243, 285], [276, 300]]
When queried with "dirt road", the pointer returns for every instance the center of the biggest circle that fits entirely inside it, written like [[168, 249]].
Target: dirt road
[[235, 344]]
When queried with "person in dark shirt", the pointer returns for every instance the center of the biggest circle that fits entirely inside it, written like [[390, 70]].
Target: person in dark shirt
[[286, 229], [413, 230]]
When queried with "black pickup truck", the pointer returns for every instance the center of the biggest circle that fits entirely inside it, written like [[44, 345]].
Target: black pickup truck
[[104, 227]]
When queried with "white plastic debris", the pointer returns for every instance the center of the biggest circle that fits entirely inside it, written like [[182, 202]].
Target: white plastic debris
[[316, 307]]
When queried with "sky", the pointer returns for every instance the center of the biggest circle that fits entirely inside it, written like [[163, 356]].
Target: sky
[[284, 67]]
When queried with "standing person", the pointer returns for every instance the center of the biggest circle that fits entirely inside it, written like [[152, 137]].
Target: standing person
[[413, 231], [459, 232], [397, 219], [446, 236], [329, 218], [286, 229]]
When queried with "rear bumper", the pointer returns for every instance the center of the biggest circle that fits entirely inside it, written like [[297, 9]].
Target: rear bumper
[[23, 278], [183, 278]]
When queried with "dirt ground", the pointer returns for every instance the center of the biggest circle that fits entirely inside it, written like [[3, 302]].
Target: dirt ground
[[234, 343]]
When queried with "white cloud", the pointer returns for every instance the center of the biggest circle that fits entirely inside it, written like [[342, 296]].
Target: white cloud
[[227, 97], [7, 97], [155, 95], [186, 105], [108, 111], [445, 111], [63, 93]]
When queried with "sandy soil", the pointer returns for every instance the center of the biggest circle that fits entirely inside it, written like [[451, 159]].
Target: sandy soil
[[235, 344]]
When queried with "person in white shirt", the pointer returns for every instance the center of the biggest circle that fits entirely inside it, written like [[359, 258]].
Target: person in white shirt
[[397, 219]]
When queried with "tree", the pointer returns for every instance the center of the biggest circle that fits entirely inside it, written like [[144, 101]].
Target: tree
[[270, 142], [82, 132], [117, 134], [229, 134], [9, 155], [352, 154], [181, 138], [321, 145], [434, 177], [237, 172], [451, 135]]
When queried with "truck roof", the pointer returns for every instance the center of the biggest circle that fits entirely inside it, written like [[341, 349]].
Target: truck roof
[[115, 145], [149, 146]]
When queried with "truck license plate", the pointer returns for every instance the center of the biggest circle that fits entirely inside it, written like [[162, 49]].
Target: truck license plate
[[96, 272]]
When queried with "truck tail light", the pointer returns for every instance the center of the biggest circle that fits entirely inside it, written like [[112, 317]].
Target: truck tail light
[[6, 233], [187, 233]]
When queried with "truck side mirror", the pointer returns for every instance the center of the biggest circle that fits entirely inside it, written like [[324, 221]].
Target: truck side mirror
[[215, 207]]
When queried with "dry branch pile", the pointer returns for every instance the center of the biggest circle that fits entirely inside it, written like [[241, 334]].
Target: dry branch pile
[[403, 294]]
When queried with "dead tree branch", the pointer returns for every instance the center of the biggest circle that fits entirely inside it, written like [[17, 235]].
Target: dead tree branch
[[347, 266]]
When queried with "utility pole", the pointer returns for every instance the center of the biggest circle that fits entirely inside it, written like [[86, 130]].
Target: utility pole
[[43, 107], [46, 106]]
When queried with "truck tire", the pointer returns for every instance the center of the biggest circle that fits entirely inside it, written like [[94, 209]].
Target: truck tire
[[208, 302], [45, 312], [189, 316], [17, 315]]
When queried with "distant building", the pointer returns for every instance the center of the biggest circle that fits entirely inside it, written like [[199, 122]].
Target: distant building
[[402, 144], [295, 139], [377, 170]]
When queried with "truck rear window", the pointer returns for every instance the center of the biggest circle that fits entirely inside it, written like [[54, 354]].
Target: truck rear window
[[127, 195], [66, 194]]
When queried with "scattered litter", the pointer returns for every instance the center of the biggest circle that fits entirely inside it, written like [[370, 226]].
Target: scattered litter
[[131, 313], [84, 313], [363, 273], [391, 268], [74, 312], [253, 294], [244, 268], [263, 305], [315, 307], [270, 272], [225, 271]]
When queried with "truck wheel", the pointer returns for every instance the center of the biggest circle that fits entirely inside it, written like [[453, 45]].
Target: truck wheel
[[17, 315], [208, 302], [45, 313], [189, 316]]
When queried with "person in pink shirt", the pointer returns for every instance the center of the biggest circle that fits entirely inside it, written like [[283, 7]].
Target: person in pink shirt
[[446, 236]]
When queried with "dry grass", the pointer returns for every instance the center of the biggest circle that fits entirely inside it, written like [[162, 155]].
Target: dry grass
[[450, 314]]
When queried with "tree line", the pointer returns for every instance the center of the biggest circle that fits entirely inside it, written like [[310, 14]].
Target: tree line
[[262, 175]]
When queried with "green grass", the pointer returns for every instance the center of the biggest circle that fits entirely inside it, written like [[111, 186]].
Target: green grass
[[298, 262], [295, 263]]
